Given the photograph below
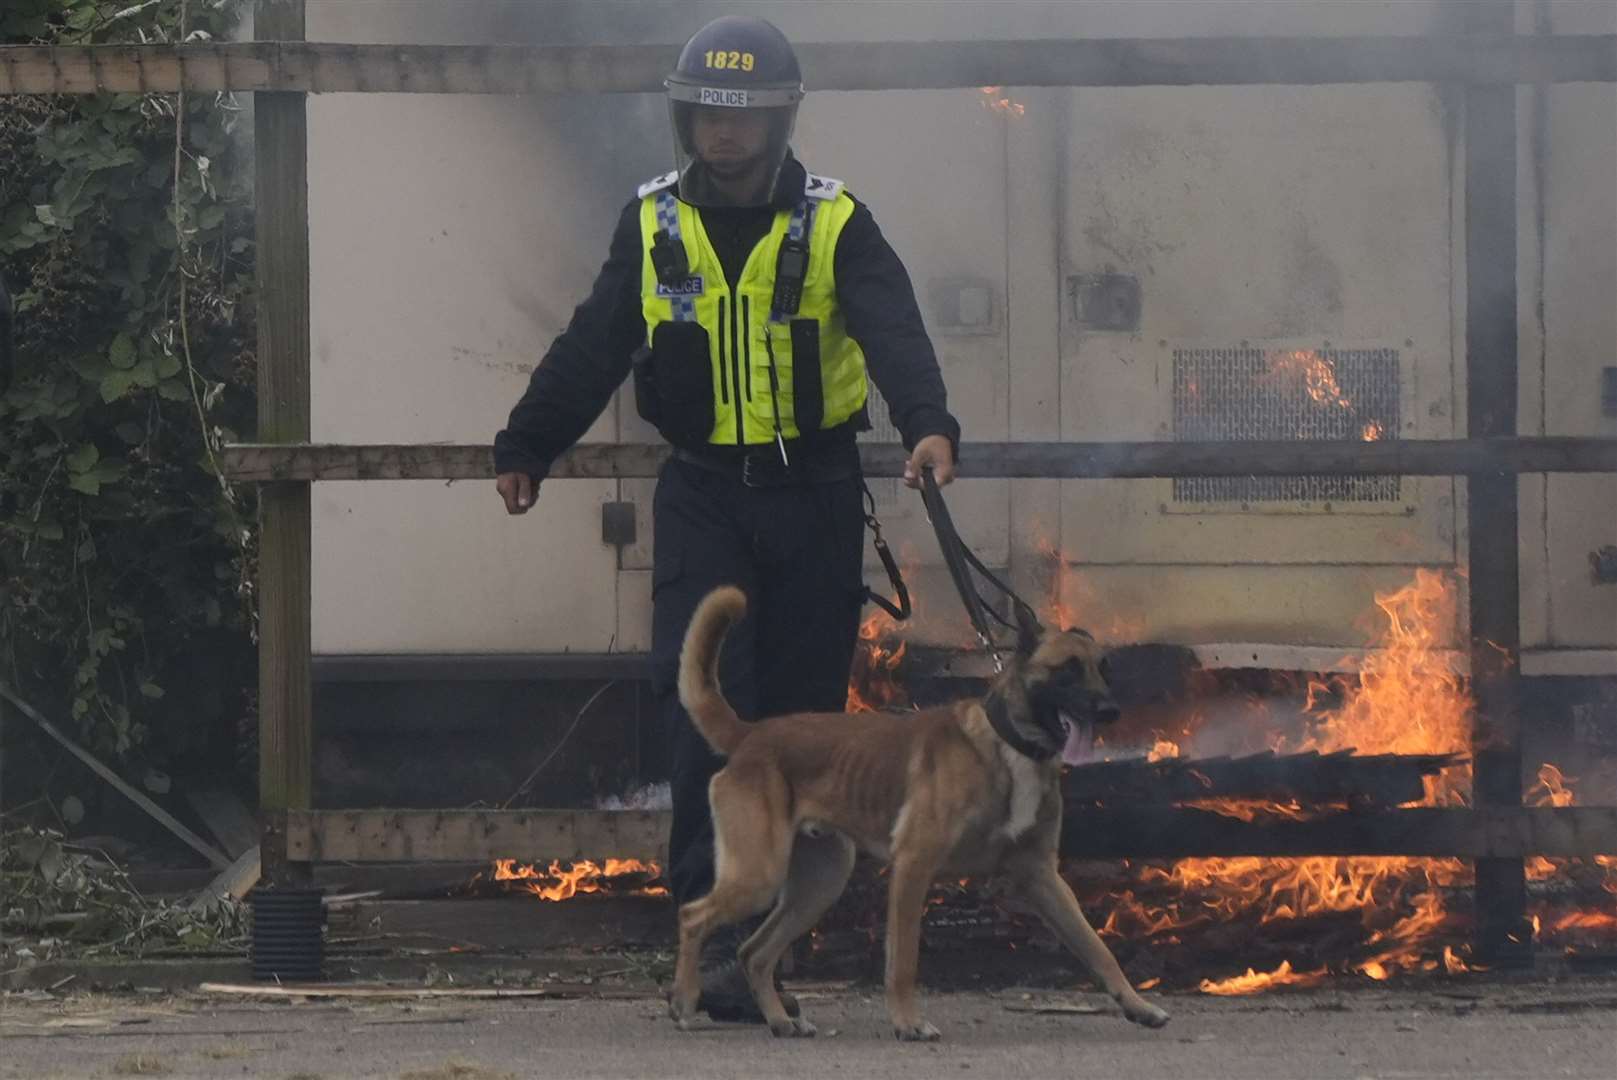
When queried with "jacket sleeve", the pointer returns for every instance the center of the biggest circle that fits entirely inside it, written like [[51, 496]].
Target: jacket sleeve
[[878, 301], [584, 366]]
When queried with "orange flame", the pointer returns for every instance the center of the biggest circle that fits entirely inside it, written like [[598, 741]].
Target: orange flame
[[1553, 788], [1406, 699], [1317, 373], [1601, 921], [558, 882], [993, 101], [1162, 750], [1085, 609], [873, 683], [1253, 982], [1372, 431]]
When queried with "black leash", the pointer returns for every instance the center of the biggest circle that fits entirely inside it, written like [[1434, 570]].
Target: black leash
[[901, 610], [961, 562]]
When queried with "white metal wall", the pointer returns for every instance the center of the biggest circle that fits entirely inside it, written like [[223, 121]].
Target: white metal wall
[[451, 236]]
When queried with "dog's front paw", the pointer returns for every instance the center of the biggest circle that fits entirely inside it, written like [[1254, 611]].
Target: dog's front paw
[[681, 1011], [1144, 1013], [918, 1032], [793, 1027]]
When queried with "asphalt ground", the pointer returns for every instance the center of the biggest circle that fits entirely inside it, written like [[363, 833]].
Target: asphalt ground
[[1474, 1030]]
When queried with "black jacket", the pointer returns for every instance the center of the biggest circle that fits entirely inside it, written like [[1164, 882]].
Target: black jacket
[[586, 364]]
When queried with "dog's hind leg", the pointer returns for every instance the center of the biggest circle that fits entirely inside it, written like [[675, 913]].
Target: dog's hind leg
[[1055, 902], [817, 874], [752, 844]]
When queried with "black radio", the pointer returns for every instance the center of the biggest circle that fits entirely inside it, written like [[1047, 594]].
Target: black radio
[[668, 259], [791, 267]]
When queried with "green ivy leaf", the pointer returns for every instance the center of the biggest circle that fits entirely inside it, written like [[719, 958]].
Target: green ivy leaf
[[85, 483], [168, 366], [174, 390], [122, 355], [151, 690], [144, 374], [91, 368], [83, 458], [110, 471], [115, 385]]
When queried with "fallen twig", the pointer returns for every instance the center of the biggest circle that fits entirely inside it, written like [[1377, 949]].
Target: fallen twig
[[402, 993], [1054, 1007]]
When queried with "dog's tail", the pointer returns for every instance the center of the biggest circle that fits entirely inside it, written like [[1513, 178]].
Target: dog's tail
[[699, 669]]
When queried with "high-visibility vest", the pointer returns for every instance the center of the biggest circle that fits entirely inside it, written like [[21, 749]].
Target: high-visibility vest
[[756, 356]]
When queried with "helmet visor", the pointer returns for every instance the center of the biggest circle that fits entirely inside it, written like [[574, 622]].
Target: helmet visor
[[730, 155]]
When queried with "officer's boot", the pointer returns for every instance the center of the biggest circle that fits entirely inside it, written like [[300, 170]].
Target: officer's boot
[[726, 995]]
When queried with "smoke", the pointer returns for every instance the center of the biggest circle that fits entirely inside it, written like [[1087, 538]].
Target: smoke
[[656, 796]]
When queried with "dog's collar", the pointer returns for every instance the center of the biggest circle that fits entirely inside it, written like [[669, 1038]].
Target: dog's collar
[[999, 719]]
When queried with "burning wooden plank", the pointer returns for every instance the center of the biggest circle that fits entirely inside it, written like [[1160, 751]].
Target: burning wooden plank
[[1308, 778]]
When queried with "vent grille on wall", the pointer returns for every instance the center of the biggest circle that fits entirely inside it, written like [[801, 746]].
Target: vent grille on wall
[[1250, 394]]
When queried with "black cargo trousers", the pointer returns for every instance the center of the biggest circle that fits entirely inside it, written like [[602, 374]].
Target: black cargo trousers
[[794, 544]]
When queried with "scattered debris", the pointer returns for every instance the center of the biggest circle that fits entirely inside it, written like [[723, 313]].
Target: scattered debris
[[141, 1065], [63, 899], [232, 884], [457, 1070]]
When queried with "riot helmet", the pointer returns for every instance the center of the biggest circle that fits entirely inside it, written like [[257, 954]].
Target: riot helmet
[[732, 100]]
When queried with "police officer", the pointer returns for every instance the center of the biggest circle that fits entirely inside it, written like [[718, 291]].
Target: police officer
[[750, 299]]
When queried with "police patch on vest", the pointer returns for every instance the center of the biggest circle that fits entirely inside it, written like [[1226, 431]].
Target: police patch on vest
[[691, 286], [734, 99]]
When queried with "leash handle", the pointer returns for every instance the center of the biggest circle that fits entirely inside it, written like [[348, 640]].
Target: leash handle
[[951, 547], [961, 561]]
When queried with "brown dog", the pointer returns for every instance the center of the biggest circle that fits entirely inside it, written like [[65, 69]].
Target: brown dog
[[946, 790]]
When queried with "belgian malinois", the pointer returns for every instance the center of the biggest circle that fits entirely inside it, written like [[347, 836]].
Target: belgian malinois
[[968, 788]]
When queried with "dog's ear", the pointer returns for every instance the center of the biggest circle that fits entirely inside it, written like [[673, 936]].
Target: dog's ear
[[1028, 630]]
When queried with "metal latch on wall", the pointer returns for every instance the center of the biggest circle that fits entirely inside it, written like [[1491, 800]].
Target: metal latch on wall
[[617, 524], [1603, 564]]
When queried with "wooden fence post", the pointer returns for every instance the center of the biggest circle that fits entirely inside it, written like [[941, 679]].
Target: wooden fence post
[[1502, 934], [285, 733]]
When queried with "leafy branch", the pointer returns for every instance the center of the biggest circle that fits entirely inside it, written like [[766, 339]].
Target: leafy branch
[[126, 239]]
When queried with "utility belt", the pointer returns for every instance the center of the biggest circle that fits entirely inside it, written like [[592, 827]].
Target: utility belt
[[829, 457]]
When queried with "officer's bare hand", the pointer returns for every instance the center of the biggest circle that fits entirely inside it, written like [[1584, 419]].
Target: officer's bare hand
[[936, 451], [516, 488]]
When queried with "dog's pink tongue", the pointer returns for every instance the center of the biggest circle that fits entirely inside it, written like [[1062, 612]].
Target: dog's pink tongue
[[1080, 746]]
